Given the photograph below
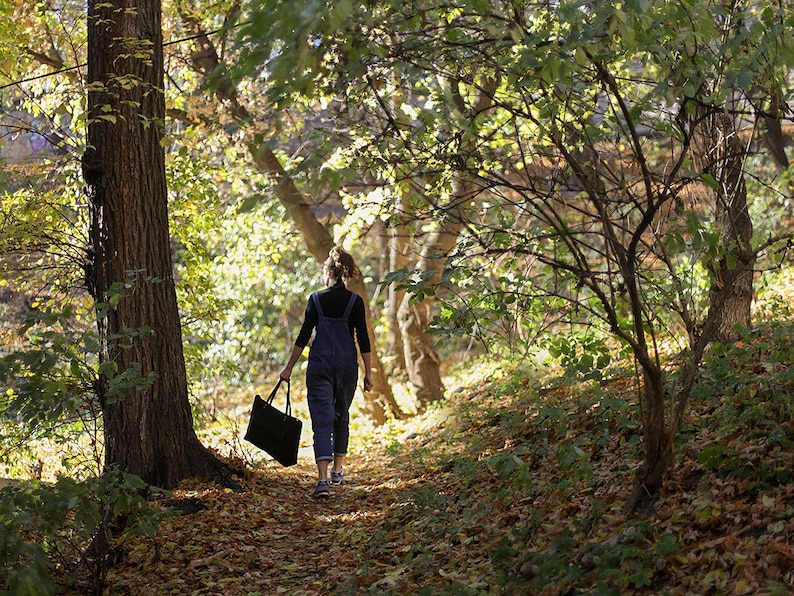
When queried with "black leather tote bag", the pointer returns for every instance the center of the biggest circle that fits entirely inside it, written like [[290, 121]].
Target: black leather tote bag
[[277, 433]]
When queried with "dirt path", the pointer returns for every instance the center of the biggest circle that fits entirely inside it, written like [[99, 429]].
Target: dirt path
[[272, 538]]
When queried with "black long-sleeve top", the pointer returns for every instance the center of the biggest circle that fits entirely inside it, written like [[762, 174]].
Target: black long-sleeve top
[[334, 301]]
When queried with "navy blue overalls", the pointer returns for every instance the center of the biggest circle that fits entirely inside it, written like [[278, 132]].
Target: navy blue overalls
[[331, 377]]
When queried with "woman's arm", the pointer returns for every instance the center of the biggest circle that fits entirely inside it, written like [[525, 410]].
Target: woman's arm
[[367, 371], [293, 358]]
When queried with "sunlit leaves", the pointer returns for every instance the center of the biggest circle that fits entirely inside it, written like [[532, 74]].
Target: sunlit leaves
[[298, 32]]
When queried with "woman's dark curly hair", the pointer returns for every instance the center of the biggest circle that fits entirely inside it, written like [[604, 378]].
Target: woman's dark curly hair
[[340, 265]]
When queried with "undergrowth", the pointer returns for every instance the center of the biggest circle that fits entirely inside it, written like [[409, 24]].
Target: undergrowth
[[524, 485], [514, 484]]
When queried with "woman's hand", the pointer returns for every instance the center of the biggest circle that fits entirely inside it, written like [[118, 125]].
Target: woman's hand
[[366, 357]]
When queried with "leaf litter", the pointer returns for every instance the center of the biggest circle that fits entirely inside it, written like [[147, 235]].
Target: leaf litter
[[510, 486]]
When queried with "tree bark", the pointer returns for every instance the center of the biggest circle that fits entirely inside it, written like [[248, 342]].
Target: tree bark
[[719, 152], [142, 386], [398, 246], [422, 362], [658, 449]]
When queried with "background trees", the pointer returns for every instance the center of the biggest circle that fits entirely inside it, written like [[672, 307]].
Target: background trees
[[611, 160], [544, 176]]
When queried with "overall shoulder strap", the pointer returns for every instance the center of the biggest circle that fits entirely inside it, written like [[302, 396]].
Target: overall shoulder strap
[[350, 304]]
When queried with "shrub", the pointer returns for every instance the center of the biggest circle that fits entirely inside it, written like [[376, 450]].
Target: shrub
[[71, 532]]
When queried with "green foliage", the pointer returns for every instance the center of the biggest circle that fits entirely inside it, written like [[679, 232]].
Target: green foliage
[[541, 465], [243, 275], [581, 356], [76, 528], [50, 378], [259, 278], [621, 563], [43, 241], [750, 387], [571, 80], [47, 347], [50, 384], [548, 447]]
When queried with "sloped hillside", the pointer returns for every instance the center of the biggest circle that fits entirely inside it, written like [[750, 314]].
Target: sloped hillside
[[516, 485]]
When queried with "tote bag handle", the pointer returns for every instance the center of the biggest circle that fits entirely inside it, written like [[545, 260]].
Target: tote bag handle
[[288, 409]]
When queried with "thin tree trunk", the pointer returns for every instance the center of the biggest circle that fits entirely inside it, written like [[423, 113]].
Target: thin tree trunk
[[719, 152], [661, 433], [421, 360], [658, 450], [398, 245], [142, 386]]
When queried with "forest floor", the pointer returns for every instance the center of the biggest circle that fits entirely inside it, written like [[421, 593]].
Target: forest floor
[[514, 484]]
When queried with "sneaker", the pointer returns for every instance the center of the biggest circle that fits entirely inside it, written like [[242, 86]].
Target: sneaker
[[321, 490], [337, 477]]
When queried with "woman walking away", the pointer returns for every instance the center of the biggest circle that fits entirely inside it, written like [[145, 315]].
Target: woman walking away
[[332, 372]]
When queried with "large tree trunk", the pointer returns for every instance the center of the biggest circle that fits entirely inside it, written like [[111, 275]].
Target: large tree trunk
[[142, 386]]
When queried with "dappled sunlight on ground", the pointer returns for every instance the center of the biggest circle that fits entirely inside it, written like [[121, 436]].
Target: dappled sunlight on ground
[[273, 537]]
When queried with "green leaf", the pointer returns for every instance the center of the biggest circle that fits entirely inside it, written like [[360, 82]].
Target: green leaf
[[710, 181]]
